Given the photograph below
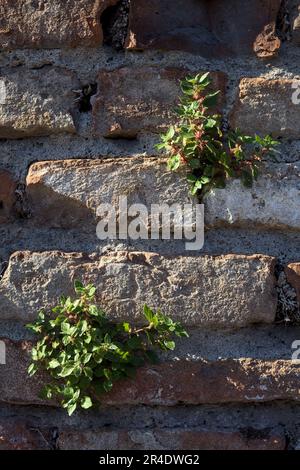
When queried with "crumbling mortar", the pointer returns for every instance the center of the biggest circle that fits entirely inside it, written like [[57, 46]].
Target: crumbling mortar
[[288, 309]]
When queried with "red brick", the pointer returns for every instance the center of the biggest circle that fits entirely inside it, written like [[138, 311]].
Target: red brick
[[292, 272], [222, 381], [165, 439], [131, 100], [296, 26], [267, 44], [44, 24], [17, 435], [16, 386], [214, 28], [169, 383], [7, 196], [266, 107]]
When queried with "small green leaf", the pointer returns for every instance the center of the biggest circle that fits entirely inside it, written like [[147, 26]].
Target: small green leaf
[[78, 286], [126, 327], [66, 371], [86, 403], [148, 313], [71, 408], [174, 162], [32, 369], [53, 364], [169, 345]]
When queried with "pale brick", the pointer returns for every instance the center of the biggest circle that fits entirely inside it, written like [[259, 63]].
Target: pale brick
[[36, 102], [214, 28], [272, 202], [222, 291], [51, 24], [266, 107], [131, 100], [67, 193]]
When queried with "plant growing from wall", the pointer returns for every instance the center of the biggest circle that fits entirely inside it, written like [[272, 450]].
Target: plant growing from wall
[[85, 353], [199, 143]]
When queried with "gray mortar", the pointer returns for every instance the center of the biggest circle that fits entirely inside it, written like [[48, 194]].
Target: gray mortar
[[22, 236], [272, 342]]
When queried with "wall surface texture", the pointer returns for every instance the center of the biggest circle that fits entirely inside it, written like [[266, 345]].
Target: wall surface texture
[[232, 385]]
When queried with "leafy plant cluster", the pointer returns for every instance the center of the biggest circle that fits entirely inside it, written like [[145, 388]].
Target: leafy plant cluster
[[198, 141], [85, 353]]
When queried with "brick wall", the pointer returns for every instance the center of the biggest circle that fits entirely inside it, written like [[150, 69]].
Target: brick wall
[[232, 385]]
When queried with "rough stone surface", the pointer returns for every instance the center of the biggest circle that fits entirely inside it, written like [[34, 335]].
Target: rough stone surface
[[44, 24], [16, 435], [213, 28], [131, 100], [16, 386], [267, 43], [7, 196], [67, 193], [292, 272], [169, 383], [272, 203], [296, 28], [36, 102], [165, 439], [223, 291], [266, 107], [224, 381]]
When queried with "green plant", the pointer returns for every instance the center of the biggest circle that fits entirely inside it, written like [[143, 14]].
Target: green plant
[[85, 352], [199, 142]]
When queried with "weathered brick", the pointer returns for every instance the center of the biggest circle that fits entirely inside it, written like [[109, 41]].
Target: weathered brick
[[267, 43], [7, 196], [292, 272], [272, 202], [44, 24], [36, 102], [222, 291], [165, 439], [131, 100], [18, 435], [266, 107], [169, 383], [214, 28], [296, 27], [67, 193], [16, 386], [222, 381]]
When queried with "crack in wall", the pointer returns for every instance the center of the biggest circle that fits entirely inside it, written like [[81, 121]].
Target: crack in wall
[[288, 309], [114, 22], [283, 22]]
